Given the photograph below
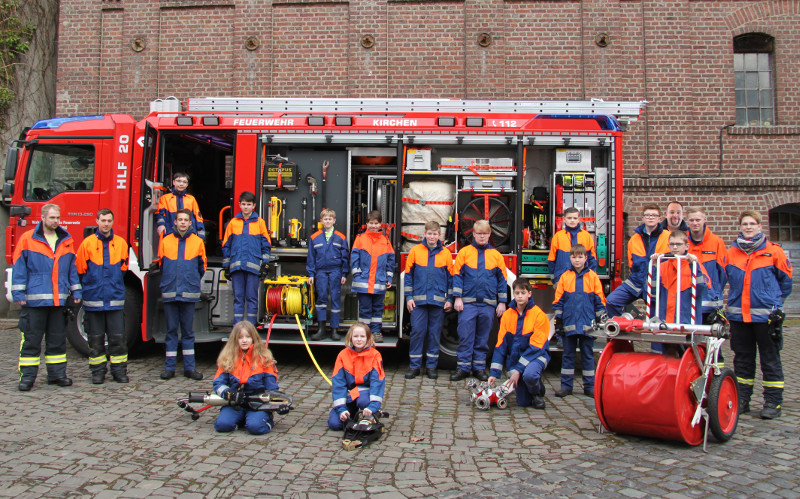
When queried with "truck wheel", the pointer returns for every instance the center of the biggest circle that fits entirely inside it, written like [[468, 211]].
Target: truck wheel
[[76, 333], [133, 317], [448, 343], [723, 406]]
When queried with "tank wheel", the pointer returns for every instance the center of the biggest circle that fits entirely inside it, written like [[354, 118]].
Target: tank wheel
[[723, 406], [502, 403]]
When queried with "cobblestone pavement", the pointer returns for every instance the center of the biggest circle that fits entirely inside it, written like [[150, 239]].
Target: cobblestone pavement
[[132, 440]]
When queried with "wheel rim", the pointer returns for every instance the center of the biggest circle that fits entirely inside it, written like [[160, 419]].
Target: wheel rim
[[728, 405]]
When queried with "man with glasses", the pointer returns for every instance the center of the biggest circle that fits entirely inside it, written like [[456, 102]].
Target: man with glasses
[[647, 239]]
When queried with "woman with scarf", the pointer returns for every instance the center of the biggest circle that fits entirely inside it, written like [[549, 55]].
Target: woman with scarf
[[760, 277]]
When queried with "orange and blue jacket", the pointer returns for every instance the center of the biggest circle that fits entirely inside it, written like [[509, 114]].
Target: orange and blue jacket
[[246, 244], [429, 275], [521, 339], [579, 300], [479, 275], [668, 292], [641, 247], [102, 262], [259, 377], [42, 277], [328, 255], [170, 203], [759, 282], [183, 263], [713, 255], [357, 372], [372, 263], [558, 260]]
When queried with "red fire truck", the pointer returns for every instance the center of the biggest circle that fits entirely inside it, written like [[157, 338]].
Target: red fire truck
[[516, 164]]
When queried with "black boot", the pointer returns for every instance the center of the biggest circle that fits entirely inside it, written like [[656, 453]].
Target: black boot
[[322, 332], [335, 336]]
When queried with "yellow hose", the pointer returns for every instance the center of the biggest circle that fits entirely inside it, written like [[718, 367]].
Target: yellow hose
[[300, 328]]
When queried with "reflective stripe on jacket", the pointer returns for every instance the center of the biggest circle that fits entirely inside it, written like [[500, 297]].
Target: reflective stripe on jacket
[[259, 378], [521, 339], [102, 262], [479, 275], [183, 263], [355, 372], [668, 288], [372, 263], [42, 277], [429, 275], [168, 206], [246, 244], [579, 300], [328, 255], [563, 240], [713, 255], [759, 282]]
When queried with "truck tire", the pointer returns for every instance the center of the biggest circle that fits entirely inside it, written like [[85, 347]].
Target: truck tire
[[76, 333]]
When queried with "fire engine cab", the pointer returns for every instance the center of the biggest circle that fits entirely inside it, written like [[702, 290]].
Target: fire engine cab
[[517, 164]]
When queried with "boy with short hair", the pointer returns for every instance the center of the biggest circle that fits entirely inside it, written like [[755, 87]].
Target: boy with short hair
[[178, 199], [667, 287], [245, 256], [579, 300], [572, 234], [480, 291], [327, 266], [523, 347], [182, 257], [428, 289], [372, 264]]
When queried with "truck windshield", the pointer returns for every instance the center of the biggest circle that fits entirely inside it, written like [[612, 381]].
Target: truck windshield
[[54, 169]]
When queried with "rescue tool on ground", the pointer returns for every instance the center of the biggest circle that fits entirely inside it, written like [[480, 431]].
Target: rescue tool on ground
[[272, 400], [360, 430]]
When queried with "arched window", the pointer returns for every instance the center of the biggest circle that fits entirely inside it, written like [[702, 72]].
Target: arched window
[[753, 67], [784, 223]]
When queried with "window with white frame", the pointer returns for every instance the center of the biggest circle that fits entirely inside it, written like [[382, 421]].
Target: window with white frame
[[753, 66]]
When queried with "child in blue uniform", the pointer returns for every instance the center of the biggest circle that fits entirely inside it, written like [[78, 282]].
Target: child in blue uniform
[[327, 266], [579, 300], [245, 255], [522, 347], [358, 380], [372, 262], [244, 359]]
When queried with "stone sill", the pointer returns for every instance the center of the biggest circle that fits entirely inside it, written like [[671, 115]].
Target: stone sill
[[764, 130]]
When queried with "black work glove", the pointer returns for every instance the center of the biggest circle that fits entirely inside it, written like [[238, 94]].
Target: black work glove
[[235, 397], [226, 273], [284, 409], [559, 326], [719, 317], [603, 317], [262, 273], [775, 322]]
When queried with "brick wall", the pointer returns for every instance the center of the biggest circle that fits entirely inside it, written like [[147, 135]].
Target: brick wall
[[117, 55]]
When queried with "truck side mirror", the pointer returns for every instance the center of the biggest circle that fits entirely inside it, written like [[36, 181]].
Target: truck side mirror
[[11, 163], [8, 190]]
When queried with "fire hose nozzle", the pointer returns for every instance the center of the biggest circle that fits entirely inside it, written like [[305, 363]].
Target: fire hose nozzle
[[611, 328]]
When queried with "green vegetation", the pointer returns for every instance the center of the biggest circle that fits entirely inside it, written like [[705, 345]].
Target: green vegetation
[[15, 37]]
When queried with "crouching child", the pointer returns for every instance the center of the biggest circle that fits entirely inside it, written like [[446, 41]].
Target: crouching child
[[523, 346], [245, 367], [358, 380]]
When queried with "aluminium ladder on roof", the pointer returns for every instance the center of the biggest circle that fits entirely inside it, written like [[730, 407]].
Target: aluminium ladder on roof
[[624, 111]]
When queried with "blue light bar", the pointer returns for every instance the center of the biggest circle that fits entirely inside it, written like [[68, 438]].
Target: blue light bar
[[57, 122], [605, 121]]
